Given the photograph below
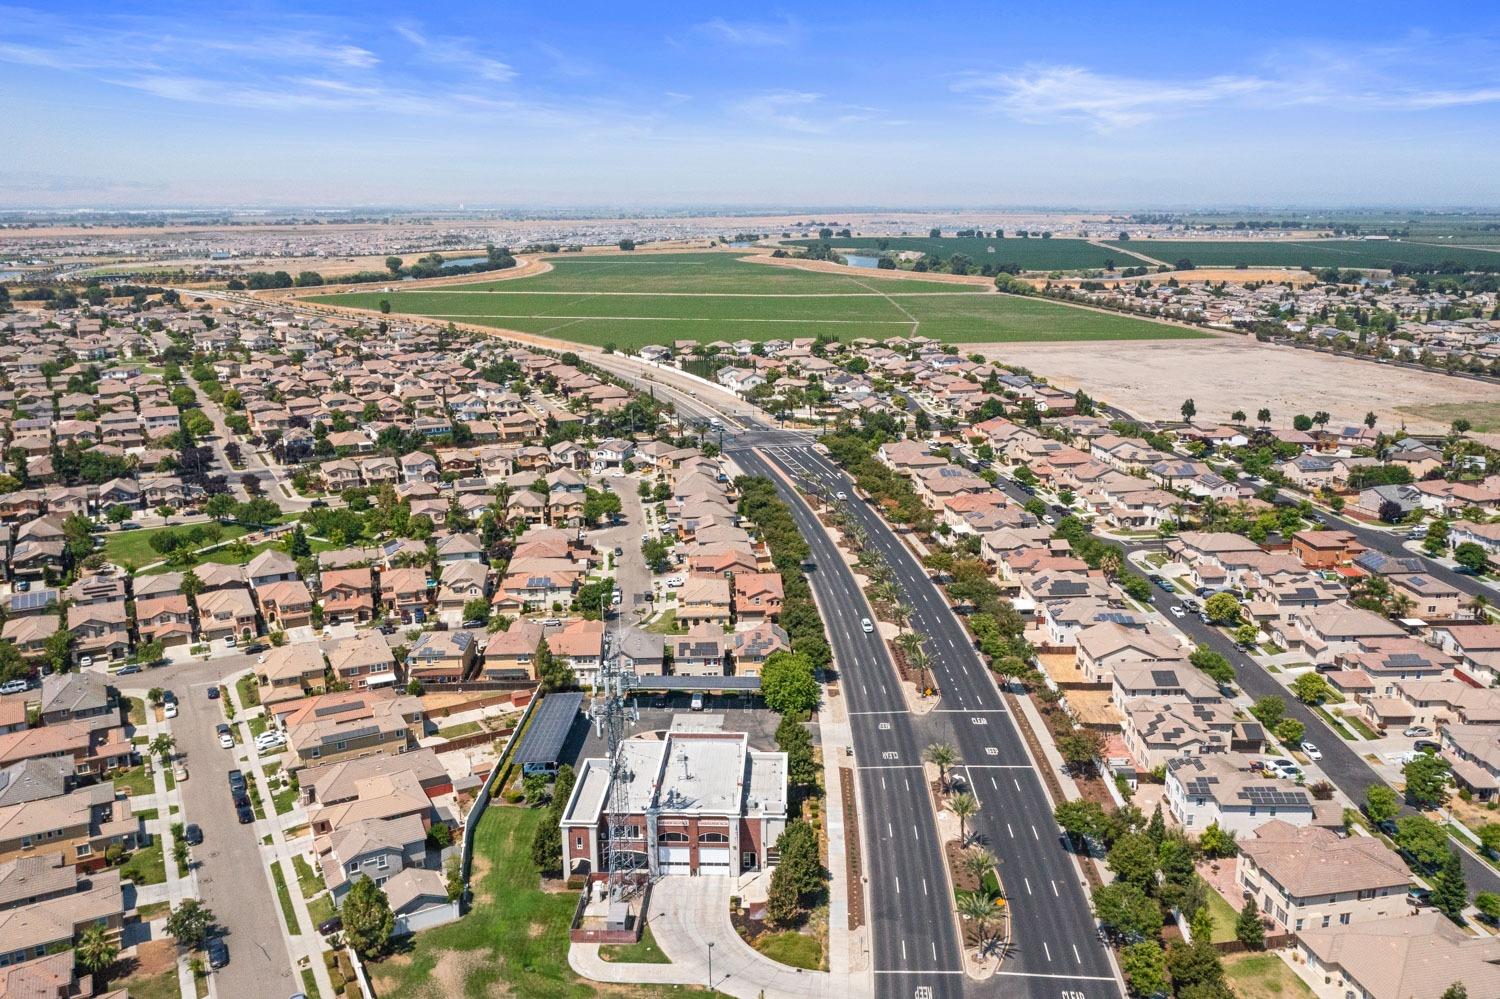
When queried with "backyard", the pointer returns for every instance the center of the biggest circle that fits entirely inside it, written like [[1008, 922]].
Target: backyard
[[1263, 976]]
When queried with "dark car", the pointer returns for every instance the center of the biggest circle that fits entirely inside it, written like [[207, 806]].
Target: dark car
[[387, 629], [213, 693], [318, 504], [246, 815], [255, 647], [236, 779], [193, 834], [128, 669], [218, 952], [329, 926], [241, 799]]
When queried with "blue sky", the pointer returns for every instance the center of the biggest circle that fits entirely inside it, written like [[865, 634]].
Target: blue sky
[[631, 105]]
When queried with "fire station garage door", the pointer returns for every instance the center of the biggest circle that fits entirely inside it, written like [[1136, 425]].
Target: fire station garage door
[[674, 859], [713, 861]]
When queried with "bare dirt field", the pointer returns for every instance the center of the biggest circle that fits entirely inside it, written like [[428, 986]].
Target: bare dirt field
[[1275, 275], [1151, 379]]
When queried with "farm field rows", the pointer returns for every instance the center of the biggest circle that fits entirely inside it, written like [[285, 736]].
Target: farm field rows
[[635, 301], [1311, 253], [1030, 254]]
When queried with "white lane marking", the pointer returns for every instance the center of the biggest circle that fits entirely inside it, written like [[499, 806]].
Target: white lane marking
[[993, 784], [1016, 782], [1033, 833], [1054, 889], [1047, 949], [1028, 885], [1040, 974], [1076, 956], [934, 950], [903, 950], [1010, 830], [898, 886], [889, 833], [924, 886]]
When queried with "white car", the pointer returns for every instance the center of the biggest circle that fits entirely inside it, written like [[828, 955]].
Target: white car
[[843, 496], [13, 687], [866, 624], [170, 711], [260, 660], [85, 661], [268, 740], [1177, 611], [226, 740], [674, 581], [1311, 751]]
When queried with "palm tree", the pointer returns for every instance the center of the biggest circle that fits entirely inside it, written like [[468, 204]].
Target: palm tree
[[902, 613], [1263, 415], [96, 950], [942, 756], [965, 806], [977, 862], [982, 909], [1111, 562], [910, 643]]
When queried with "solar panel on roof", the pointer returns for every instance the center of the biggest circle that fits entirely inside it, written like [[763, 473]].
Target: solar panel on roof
[[32, 600]]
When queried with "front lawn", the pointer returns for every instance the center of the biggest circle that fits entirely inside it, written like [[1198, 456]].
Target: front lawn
[[284, 896], [308, 880], [248, 691], [797, 950], [146, 866], [135, 781]]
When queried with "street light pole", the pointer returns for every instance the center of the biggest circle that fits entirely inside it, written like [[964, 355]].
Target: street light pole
[[710, 965]]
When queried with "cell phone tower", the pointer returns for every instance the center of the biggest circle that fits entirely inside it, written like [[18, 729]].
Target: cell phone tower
[[629, 845]]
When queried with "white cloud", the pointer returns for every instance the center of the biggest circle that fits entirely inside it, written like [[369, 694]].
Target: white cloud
[[456, 53], [1070, 93], [752, 34]]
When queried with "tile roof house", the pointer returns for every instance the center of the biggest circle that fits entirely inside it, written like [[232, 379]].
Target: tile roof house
[[363, 660], [1202, 790], [1404, 957], [1308, 877], [700, 652]]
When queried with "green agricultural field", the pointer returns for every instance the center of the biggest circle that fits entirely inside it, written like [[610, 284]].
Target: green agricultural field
[[1030, 254], [1311, 253], [631, 302]]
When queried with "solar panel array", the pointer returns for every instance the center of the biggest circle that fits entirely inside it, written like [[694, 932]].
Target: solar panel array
[[549, 728]]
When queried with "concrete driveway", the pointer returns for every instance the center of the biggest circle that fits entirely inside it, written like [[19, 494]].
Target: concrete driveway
[[688, 916]]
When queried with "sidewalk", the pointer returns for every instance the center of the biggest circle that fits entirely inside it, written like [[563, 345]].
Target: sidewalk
[[687, 914], [848, 950]]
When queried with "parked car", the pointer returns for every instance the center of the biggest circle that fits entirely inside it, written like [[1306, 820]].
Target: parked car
[[245, 813], [22, 585], [236, 780], [1426, 746], [218, 952], [1177, 611], [213, 693], [328, 927], [170, 710], [192, 834], [13, 687], [674, 581], [1311, 751], [1416, 731], [129, 669], [269, 740]]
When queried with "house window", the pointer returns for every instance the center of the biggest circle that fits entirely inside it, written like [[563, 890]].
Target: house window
[[354, 867], [84, 849], [1344, 919], [382, 863], [673, 837], [713, 837]]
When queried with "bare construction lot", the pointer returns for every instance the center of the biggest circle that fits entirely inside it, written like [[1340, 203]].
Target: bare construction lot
[[1151, 379]]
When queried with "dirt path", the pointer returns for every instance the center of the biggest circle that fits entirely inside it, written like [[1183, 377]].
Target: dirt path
[[1129, 253]]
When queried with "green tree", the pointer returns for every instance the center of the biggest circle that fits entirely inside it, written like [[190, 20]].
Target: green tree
[[1449, 892], [793, 739], [1488, 904], [1246, 635], [1426, 780], [368, 920], [453, 877], [1290, 731], [982, 910], [1222, 608], [189, 923], [534, 788], [1126, 911], [1489, 837], [1213, 664], [965, 806], [1133, 860], [1189, 409], [1458, 990], [546, 847], [1196, 966], [788, 683], [1082, 820], [1217, 842], [96, 950], [477, 609], [554, 673], [1249, 929], [1381, 803], [1423, 840], [1145, 967], [1269, 710], [1312, 688], [1472, 557]]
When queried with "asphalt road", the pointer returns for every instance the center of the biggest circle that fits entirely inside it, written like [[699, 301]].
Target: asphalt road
[[1054, 944], [231, 874], [914, 937], [1392, 544]]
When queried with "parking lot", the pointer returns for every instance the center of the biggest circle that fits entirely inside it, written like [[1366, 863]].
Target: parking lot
[[741, 713]]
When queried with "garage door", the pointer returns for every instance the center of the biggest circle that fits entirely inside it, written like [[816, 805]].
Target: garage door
[[674, 859], [713, 861]]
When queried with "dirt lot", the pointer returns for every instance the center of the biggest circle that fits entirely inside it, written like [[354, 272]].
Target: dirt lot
[[1151, 378], [1205, 274]]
